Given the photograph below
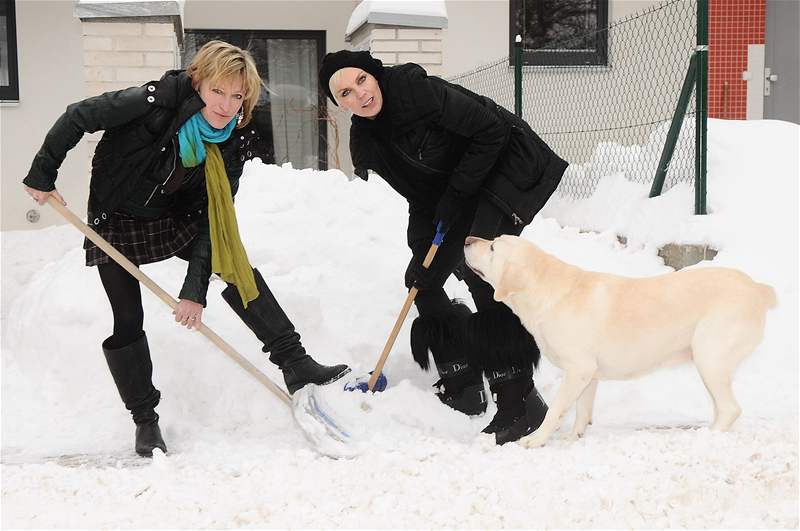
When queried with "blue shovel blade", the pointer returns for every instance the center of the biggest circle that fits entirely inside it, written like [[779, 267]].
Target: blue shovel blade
[[362, 383]]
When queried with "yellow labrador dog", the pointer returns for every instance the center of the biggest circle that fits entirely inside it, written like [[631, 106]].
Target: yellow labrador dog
[[597, 326]]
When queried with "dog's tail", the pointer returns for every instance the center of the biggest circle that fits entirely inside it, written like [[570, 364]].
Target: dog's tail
[[769, 295]]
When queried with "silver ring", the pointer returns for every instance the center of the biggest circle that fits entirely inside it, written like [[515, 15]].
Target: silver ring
[[194, 318]]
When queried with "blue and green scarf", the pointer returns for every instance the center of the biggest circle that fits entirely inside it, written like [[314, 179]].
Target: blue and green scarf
[[197, 141], [195, 133]]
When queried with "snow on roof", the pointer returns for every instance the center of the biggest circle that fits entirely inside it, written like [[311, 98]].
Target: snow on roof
[[418, 13], [127, 8]]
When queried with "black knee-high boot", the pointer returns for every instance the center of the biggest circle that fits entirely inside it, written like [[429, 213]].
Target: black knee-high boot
[[509, 388], [269, 323], [535, 410], [442, 334], [132, 370], [501, 346]]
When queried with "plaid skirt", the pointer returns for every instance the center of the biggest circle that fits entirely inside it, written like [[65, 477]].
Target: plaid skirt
[[142, 241]]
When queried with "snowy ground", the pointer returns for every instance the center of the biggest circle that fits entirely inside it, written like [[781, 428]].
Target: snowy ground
[[333, 252]]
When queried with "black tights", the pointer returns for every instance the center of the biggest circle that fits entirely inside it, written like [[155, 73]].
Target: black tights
[[125, 296]]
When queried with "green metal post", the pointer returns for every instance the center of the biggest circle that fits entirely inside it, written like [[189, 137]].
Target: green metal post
[[674, 128], [701, 118], [518, 76]]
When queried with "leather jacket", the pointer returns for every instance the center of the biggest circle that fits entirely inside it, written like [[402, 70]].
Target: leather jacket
[[137, 158]]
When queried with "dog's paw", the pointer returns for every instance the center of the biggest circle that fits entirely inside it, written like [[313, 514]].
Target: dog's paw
[[577, 432], [574, 436], [532, 441]]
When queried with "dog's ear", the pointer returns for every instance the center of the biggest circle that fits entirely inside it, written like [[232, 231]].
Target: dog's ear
[[510, 282]]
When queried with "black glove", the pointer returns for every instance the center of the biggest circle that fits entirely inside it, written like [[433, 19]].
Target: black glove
[[420, 277], [449, 209]]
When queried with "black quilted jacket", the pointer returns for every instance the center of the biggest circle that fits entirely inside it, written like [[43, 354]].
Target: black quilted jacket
[[137, 157], [431, 135]]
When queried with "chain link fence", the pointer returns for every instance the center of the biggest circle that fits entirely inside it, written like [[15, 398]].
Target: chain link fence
[[613, 118]]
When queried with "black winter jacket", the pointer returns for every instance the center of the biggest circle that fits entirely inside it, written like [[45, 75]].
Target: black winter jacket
[[137, 157], [432, 135]]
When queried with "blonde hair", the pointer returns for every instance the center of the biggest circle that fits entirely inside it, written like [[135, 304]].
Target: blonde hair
[[333, 81], [218, 60]]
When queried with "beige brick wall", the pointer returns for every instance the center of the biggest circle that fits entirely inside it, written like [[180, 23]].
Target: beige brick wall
[[123, 54], [402, 45], [118, 55]]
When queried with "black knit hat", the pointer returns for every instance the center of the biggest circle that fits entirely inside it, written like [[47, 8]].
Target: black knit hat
[[342, 59]]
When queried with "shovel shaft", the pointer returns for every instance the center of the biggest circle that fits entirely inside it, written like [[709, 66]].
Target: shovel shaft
[[412, 293], [166, 297]]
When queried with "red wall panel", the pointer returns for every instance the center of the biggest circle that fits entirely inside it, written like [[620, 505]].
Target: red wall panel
[[732, 25]]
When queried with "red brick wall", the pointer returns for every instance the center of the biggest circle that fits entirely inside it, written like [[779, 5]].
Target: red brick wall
[[732, 25]]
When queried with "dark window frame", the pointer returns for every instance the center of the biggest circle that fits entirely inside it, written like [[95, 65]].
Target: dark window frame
[[598, 57], [10, 92], [316, 35]]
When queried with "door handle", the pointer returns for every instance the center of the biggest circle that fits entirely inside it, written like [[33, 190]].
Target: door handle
[[769, 78]]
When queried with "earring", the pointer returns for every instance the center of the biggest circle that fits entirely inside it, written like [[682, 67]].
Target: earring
[[239, 116]]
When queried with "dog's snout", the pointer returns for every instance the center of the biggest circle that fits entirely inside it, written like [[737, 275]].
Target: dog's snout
[[470, 240]]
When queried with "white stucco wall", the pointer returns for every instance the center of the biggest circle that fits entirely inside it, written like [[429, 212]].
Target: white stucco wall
[[477, 33], [51, 77]]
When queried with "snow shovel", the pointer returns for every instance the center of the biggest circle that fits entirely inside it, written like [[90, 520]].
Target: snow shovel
[[320, 428], [412, 293]]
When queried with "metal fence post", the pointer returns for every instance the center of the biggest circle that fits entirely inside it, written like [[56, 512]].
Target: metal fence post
[[701, 118], [518, 76], [675, 128]]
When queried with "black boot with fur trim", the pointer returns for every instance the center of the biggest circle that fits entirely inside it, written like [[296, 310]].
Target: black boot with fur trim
[[535, 410], [497, 340], [461, 388], [501, 346], [509, 389], [442, 334]]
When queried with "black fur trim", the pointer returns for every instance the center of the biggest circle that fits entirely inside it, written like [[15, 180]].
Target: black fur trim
[[441, 334], [497, 340]]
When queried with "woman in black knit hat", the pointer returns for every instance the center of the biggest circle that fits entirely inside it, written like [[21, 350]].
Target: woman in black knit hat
[[470, 167]]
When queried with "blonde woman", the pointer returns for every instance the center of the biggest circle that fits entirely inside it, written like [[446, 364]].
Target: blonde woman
[[163, 179]]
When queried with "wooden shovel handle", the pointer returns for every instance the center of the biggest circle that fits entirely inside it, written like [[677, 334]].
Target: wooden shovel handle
[[412, 293], [166, 297]]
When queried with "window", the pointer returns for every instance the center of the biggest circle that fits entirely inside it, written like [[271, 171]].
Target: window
[[9, 78], [561, 32], [289, 115]]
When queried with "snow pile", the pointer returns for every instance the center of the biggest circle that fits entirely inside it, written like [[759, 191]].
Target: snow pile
[[333, 252]]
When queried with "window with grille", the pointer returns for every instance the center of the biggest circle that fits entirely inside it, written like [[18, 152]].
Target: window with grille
[[9, 76], [561, 32]]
